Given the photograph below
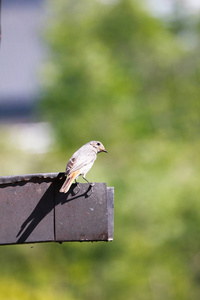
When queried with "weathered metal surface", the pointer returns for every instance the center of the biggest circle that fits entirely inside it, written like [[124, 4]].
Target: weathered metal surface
[[33, 210], [82, 213], [27, 212], [28, 177], [110, 203]]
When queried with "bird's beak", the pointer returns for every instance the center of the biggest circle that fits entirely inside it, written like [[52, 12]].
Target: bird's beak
[[104, 150]]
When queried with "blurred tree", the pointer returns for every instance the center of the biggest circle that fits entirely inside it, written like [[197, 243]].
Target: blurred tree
[[117, 74], [115, 71]]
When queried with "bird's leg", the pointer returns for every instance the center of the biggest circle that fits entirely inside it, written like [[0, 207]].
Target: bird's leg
[[77, 184], [90, 183]]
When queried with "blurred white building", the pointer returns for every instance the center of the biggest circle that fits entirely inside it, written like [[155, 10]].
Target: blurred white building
[[21, 54]]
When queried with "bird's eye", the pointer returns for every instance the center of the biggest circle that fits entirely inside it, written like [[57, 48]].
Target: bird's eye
[[98, 144]]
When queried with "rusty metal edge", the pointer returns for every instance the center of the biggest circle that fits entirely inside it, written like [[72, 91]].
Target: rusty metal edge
[[28, 177], [55, 242], [29, 243]]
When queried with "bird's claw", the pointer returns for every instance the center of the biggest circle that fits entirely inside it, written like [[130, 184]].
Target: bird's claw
[[76, 188], [91, 188]]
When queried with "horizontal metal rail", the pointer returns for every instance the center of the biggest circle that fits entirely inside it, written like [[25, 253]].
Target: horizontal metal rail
[[33, 210]]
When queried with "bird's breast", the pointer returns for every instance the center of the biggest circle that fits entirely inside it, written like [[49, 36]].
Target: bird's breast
[[86, 168]]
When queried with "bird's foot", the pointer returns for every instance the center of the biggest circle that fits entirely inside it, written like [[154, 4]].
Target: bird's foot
[[90, 189], [76, 188], [92, 186]]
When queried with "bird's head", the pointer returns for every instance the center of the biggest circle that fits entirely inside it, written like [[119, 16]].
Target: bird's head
[[98, 146]]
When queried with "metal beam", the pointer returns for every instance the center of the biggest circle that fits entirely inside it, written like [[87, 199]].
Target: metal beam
[[33, 210]]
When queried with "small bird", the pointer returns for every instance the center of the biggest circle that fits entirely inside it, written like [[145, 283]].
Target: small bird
[[81, 162]]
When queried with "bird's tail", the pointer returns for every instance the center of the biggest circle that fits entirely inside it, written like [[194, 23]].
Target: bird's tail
[[68, 182]]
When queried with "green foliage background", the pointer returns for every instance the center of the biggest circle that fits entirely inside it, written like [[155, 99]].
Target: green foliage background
[[117, 74]]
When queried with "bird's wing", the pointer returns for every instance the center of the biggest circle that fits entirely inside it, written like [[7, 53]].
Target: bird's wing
[[79, 159]]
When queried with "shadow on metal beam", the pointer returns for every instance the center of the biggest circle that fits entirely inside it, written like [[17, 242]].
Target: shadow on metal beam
[[33, 210]]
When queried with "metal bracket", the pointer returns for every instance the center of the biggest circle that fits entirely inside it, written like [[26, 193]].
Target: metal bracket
[[33, 210]]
